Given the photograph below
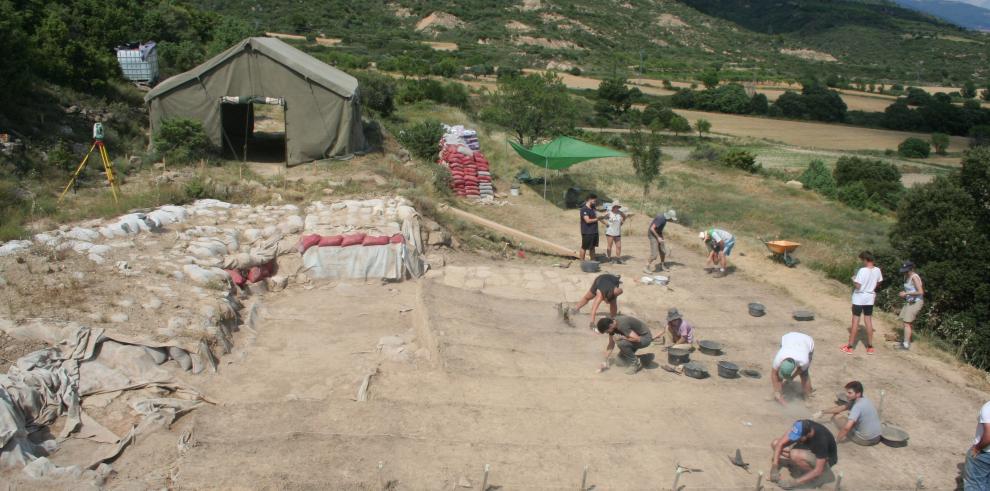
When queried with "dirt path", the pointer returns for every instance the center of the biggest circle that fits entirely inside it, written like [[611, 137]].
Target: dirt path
[[491, 375]]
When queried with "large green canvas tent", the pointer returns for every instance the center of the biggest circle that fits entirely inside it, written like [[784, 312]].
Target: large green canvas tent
[[562, 153], [321, 104]]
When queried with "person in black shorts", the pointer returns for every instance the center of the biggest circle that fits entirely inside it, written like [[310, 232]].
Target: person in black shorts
[[607, 288], [808, 449], [589, 227]]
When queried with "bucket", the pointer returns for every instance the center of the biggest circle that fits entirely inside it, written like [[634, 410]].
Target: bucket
[[710, 348], [757, 310], [804, 315], [695, 370], [514, 191], [590, 266], [893, 436], [727, 369], [661, 280], [678, 356]]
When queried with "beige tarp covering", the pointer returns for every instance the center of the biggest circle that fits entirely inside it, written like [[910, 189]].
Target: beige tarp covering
[[322, 104]]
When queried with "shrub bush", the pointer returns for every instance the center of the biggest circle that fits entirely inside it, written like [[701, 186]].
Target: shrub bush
[[881, 181], [819, 178], [377, 92], [706, 152], [914, 148], [741, 159], [182, 141], [422, 139], [854, 195], [940, 141]]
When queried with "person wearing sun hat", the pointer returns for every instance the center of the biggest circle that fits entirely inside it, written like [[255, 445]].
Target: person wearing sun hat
[[680, 330], [809, 451], [792, 359], [914, 299]]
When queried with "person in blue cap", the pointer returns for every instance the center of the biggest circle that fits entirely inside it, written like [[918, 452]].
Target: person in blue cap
[[809, 451]]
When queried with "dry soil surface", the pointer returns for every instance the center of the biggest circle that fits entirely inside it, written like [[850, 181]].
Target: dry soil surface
[[477, 369]]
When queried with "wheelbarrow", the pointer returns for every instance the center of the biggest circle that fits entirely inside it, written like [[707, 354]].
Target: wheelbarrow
[[780, 250]]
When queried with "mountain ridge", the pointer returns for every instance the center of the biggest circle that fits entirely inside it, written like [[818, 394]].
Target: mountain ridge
[[965, 14]]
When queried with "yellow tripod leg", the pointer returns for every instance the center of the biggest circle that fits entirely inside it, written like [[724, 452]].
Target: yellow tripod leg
[[75, 175], [108, 167]]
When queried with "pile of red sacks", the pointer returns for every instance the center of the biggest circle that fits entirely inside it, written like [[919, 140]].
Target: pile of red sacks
[[470, 174], [356, 239]]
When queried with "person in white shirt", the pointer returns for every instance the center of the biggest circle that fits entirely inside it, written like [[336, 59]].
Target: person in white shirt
[[719, 244], [976, 476], [792, 359], [864, 295], [613, 232]]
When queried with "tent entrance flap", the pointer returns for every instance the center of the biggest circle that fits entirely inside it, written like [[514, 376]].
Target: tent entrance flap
[[253, 128]]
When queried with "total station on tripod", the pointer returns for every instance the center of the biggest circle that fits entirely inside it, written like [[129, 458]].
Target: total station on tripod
[[98, 136]]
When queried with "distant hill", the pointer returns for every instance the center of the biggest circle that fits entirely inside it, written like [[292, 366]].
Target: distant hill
[[959, 13], [672, 39]]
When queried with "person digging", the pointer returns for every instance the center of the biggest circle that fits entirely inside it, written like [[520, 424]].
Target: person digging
[[680, 330], [719, 244], [862, 426], [792, 359], [809, 451], [658, 248], [630, 335], [605, 288]]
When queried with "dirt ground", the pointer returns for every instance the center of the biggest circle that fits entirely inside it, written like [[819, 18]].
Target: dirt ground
[[471, 366], [808, 134]]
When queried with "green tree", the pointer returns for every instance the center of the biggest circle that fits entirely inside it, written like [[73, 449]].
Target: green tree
[[644, 149], [759, 104], [16, 64], [702, 126], [710, 79], [985, 93], [941, 143], [615, 97], [854, 195], [679, 124], [979, 135], [968, 89], [881, 181], [914, 148], [533, 107], [421, 139], [377, 92]]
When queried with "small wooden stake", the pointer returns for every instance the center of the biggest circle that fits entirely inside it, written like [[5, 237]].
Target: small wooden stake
[[918, 485], [677, 477], [381, 478], [883, 393], [584, 479], [838, 483], [484, 480], [759, 481]]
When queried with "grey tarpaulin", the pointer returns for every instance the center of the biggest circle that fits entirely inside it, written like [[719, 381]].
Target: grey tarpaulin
[[322, 104], [45, 385]]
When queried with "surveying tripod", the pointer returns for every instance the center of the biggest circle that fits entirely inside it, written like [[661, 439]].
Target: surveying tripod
[[107, 164]]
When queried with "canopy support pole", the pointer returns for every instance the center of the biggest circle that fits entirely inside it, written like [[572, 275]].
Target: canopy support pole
[[546, 175]]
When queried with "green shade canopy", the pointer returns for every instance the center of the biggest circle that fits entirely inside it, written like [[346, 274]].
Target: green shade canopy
[[564, 152]]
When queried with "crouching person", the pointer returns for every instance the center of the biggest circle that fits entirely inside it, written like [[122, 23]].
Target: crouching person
[[862, 426], [630, 335], [809, 451]]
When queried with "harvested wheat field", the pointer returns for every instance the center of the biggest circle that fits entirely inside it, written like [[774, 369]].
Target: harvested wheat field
[[808, 134], [421, 384]]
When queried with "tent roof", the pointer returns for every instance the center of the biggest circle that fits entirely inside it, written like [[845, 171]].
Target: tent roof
[[564, 152], [303, 64]]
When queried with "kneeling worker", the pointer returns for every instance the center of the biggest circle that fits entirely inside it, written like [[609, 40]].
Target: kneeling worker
[[606, 287], [862, 427], [808, 450], [630, 334], [680, 330], [793, 358]]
